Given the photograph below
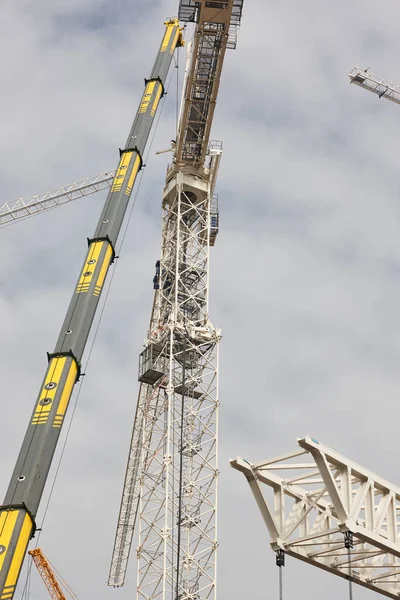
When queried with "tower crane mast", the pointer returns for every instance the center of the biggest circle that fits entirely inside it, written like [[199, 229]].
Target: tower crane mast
[[18, 513], [170, 486]]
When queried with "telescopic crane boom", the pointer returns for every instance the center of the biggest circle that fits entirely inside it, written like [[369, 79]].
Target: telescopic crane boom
[[18, 513]]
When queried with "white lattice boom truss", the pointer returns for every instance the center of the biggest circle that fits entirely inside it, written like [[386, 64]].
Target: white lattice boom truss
[[22, 208], [178, 466], [308, 506], [378, 86]]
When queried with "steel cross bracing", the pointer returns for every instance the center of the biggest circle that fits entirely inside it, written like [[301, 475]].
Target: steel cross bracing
[[31, 205], [374, 84], [178, 483], [309, 503], [148, 394]]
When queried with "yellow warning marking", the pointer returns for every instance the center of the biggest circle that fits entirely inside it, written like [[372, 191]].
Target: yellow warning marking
[[19, 553], [103, 271], [156, 101], [167, 36], [148, 92], [133, 176], [54, 372], [121, 172], [89, 267], [174, 43], [7, 524], [66, 395]]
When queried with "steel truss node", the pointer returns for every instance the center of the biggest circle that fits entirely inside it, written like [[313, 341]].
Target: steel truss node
[[312, 504]]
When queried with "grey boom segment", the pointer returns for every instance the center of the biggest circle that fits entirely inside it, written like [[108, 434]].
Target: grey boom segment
[[17, 515]]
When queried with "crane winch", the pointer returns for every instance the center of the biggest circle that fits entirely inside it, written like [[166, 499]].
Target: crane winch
[[18, 513]]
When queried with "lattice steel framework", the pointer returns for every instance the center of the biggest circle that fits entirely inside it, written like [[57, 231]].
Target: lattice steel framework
[[363, 78], [179, 465], [22, 208], [310, 507], [172, 468]]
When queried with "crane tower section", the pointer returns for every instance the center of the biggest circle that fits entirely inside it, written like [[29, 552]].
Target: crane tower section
[[172, 472]]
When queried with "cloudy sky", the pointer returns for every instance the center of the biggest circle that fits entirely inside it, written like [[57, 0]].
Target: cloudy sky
[[305, 271]]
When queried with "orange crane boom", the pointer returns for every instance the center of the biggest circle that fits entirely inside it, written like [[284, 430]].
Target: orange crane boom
[[47, 574]]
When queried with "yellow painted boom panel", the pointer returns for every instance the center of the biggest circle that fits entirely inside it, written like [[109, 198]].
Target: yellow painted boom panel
[[103, 271], [48, 391], [19, 553], [66, 395], [121, 171], [7, 524]]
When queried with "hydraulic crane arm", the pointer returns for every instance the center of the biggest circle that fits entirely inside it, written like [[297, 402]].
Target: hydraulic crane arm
[[22, 208], [46, 573], [374, 84], [17, 515]]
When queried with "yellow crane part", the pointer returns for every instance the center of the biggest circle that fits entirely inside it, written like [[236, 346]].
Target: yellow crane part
[[46, 573]]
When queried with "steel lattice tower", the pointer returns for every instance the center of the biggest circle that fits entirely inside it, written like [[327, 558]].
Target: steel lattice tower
[[171, 481], [177, 530]]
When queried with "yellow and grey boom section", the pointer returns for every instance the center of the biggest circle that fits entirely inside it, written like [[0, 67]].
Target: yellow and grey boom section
[[17, 515]]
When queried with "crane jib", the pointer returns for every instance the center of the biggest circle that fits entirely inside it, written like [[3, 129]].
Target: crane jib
[[17, 515]]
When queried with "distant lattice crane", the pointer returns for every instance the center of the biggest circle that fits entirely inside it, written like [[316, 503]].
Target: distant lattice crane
[[383, 89], [22, 208], [47, 574]]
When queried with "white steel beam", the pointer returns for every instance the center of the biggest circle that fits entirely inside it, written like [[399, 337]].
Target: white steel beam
[[363, 78], [22, 208], [318, 500]]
